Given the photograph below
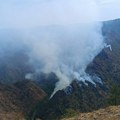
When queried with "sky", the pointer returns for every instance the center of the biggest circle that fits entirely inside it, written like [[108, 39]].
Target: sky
[[31, 13]]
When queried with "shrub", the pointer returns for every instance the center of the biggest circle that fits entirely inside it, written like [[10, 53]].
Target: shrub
[[69, 113], [114, 97]]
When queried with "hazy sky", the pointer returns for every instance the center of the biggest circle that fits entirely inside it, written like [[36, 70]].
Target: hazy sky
[[30, 13]]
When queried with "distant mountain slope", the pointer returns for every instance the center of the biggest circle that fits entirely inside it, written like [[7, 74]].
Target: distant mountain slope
[[107, 63], [19, 99], [14, 66]]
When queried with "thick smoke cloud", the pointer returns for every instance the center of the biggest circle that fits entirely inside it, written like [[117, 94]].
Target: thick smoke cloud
[[65, 48], [66, 51]]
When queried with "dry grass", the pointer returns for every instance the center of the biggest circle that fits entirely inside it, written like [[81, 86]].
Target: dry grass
[[110, 113], [12, 116]]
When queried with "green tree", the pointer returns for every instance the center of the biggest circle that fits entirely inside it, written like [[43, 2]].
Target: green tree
[[114, 96], [69, 112]]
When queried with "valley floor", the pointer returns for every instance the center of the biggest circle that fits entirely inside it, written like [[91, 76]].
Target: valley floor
[[109, 113]]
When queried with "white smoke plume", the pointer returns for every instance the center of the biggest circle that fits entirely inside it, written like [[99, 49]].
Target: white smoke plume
[[66, 51], [67, 42]]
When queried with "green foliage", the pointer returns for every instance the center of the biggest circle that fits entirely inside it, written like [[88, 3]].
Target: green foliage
[[114, 97], [69, 113]]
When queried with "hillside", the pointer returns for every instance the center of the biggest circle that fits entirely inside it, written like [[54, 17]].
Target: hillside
[[86, 98], [107, 63], [17, 100], [14, 66], [109, 113], [20, 98], [83, 99]]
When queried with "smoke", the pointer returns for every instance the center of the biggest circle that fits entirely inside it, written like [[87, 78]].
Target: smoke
[[66, 51], [66, 43]]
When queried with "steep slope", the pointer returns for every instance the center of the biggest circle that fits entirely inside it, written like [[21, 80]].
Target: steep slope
[[107, 63], [19, 99], [85, 98]]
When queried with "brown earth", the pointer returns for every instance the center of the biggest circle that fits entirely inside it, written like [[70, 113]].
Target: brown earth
[[12, 116], [109, 113], [18, 99]]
